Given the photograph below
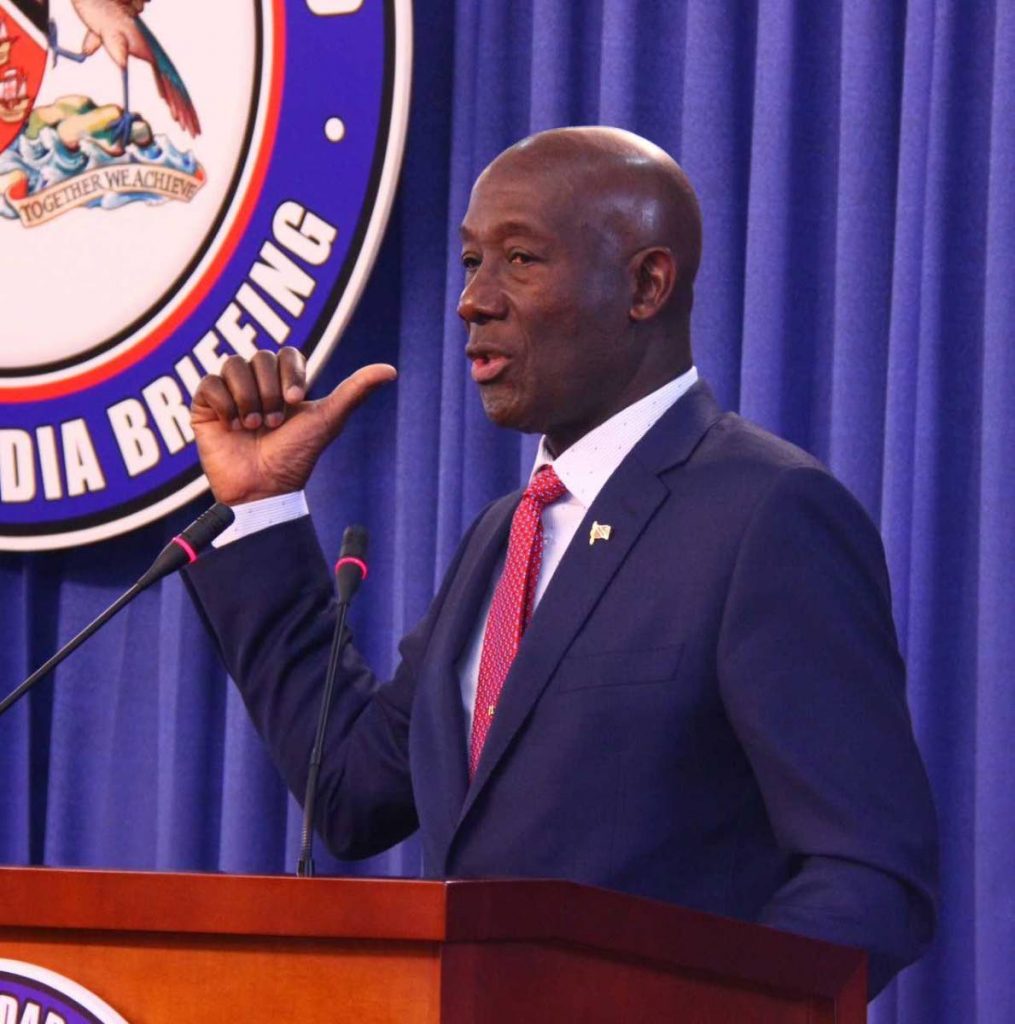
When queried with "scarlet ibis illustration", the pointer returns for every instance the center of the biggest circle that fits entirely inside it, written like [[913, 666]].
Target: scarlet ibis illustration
[[116, 26]]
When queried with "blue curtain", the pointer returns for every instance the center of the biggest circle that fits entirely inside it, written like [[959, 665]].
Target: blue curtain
[[855, 163]]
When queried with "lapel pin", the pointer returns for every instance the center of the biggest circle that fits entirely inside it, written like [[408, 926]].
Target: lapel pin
[[599, 531]]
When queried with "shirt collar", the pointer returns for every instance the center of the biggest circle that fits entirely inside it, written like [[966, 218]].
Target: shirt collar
[[586, 466]]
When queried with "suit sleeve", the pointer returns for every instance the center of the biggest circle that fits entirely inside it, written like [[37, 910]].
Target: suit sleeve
[[268, 601], [814, 685]]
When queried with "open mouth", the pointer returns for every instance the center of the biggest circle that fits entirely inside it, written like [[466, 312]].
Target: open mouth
[[488, 368]]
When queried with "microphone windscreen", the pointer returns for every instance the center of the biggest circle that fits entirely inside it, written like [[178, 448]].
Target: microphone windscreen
[[186, 546], [208, 525], [354, 543]]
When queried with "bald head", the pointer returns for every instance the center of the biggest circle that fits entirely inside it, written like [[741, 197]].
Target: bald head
[[579, 250], [629, 190]]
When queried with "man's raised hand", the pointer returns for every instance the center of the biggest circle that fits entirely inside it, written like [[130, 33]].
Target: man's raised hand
[[256, 434]]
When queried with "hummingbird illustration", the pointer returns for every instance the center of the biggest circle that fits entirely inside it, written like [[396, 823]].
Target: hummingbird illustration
[[116, 26]]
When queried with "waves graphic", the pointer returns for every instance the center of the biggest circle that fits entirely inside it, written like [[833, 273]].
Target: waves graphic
[[47, 161]]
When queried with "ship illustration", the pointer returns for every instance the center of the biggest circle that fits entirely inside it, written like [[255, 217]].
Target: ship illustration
[[6, 41], [14, 98], [13, 95]]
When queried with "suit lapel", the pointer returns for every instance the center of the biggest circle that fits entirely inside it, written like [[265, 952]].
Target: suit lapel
[[627, 503], [448, 758]]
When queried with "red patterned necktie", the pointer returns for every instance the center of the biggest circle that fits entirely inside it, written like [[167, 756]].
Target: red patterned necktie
[[513, 602]]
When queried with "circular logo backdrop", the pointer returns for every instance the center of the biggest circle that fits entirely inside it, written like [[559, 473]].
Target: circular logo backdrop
[[156, 220], [29, 992]]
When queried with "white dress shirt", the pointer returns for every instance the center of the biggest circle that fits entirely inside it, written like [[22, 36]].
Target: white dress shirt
[[583, 469], [253, 516]]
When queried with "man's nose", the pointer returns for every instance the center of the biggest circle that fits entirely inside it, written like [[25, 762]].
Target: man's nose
[[481, 298]]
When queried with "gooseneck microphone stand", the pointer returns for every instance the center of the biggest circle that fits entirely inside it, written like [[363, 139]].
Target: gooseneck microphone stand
[[180, 551], [350, 571]]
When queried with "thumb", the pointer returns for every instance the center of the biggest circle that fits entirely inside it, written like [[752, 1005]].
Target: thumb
[[351, 393]]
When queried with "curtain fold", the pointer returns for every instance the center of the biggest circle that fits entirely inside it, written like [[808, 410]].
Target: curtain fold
[[993, 824], [854, 162]]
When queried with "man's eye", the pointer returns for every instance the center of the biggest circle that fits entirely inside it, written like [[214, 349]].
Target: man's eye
[[520, 257], [469, 261]]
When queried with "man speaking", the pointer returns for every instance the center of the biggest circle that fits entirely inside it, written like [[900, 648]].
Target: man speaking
[[667, 667]]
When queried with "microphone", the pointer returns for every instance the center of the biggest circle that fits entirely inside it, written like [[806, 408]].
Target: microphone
[[350, 572], [182, 550], [185, 547], [351, 567]]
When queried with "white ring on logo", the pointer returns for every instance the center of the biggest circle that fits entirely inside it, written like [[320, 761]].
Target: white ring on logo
[[65, 987]]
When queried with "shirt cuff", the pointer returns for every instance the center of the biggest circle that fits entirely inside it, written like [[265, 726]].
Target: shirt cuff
[[254, 516]]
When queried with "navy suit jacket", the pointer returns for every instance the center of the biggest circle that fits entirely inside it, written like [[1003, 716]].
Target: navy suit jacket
[[708, 708]]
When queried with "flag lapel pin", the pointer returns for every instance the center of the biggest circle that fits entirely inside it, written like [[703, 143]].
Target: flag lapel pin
[[599, 531]]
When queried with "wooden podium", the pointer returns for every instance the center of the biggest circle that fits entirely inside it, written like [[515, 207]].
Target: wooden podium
[[163, 948]]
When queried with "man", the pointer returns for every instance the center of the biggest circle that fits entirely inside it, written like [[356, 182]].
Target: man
[[668, 668]]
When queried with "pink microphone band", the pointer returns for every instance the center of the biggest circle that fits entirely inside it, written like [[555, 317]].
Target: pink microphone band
[[190, 552], [352, 561]]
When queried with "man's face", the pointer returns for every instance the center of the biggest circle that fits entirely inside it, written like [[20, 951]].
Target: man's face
[[546, 300]]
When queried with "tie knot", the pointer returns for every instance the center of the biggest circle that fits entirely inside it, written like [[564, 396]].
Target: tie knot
[[545, 487]]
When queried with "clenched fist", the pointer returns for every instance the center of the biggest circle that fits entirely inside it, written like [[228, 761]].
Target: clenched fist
[[256, 435]]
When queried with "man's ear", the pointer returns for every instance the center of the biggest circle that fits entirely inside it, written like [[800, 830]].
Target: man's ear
[[654, 274]]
